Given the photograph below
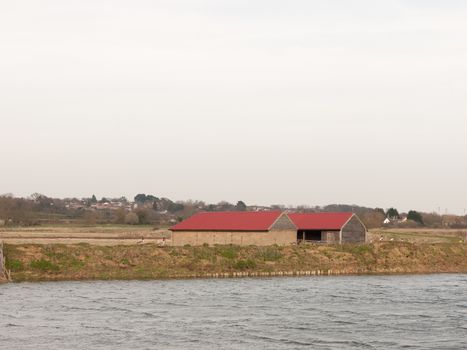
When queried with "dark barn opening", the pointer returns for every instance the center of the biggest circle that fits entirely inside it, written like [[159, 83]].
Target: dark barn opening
[[308, 235]]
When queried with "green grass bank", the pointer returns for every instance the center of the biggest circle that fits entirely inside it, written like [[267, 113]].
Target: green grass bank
[[54, 262]]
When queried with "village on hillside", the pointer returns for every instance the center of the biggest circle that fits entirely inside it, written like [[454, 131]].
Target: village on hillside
[[161, 212]]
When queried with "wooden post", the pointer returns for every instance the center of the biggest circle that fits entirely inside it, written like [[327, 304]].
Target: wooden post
[[2, 262], [4, 273]]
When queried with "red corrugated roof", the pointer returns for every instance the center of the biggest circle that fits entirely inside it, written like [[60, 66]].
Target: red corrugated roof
[[229, 221], [319, 221]]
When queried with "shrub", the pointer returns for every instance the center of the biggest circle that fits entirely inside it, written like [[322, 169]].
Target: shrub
[[203, 253], [245, 264], [43, 265], [174, 252], [228, 252], [357, 249], [13, 265], [360, 249], [131, 219], [415, 216], [75, 263], [269, 253]]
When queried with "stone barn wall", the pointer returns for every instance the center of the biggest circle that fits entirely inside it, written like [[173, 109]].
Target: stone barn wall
[[259, 238], [283, 223], [282, 232], [354, 231], [330, 236]]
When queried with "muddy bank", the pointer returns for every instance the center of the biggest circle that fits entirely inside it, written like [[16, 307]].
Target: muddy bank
[[55, 262]]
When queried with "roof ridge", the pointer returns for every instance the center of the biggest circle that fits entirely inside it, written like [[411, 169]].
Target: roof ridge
[[229, 220]]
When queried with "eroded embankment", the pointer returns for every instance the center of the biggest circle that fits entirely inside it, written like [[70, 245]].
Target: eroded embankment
[[84, 261]]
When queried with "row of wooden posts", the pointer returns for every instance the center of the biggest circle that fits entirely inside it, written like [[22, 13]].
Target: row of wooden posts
[[273, 273]]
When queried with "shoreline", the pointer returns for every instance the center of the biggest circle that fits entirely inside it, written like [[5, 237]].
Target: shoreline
[[84, 262], [252, 276], [284, 274]]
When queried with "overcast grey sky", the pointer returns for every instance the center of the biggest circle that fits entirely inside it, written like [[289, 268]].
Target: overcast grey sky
[[294, 102]]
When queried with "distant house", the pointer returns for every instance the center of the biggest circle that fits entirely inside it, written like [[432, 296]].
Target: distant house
[[400, 220], [268, 227]]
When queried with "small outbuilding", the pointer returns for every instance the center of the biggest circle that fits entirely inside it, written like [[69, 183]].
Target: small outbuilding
[[267, 228], [329, 227]]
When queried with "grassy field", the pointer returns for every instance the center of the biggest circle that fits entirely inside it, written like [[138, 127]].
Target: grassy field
[[95, 235], [131, 234], [78, 229], [423, 235], [36, 262]]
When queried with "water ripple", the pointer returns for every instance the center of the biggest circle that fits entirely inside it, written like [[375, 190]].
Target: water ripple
[[357, 312]]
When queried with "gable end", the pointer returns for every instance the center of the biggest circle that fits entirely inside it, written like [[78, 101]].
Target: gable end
[[283, 222]]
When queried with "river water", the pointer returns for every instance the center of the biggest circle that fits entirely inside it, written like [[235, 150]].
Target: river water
[[351, 312]]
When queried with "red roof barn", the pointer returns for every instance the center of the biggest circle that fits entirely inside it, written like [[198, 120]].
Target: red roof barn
[[329, 227], [229, 221], [320, 221], [266, 228]]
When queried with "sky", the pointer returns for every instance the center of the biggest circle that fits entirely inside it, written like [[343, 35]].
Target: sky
[[293, 102]]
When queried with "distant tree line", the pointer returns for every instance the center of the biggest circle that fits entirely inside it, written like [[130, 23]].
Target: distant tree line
[[148, 209]]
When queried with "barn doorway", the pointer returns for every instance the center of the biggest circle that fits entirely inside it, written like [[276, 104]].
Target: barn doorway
[[308, 235]]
